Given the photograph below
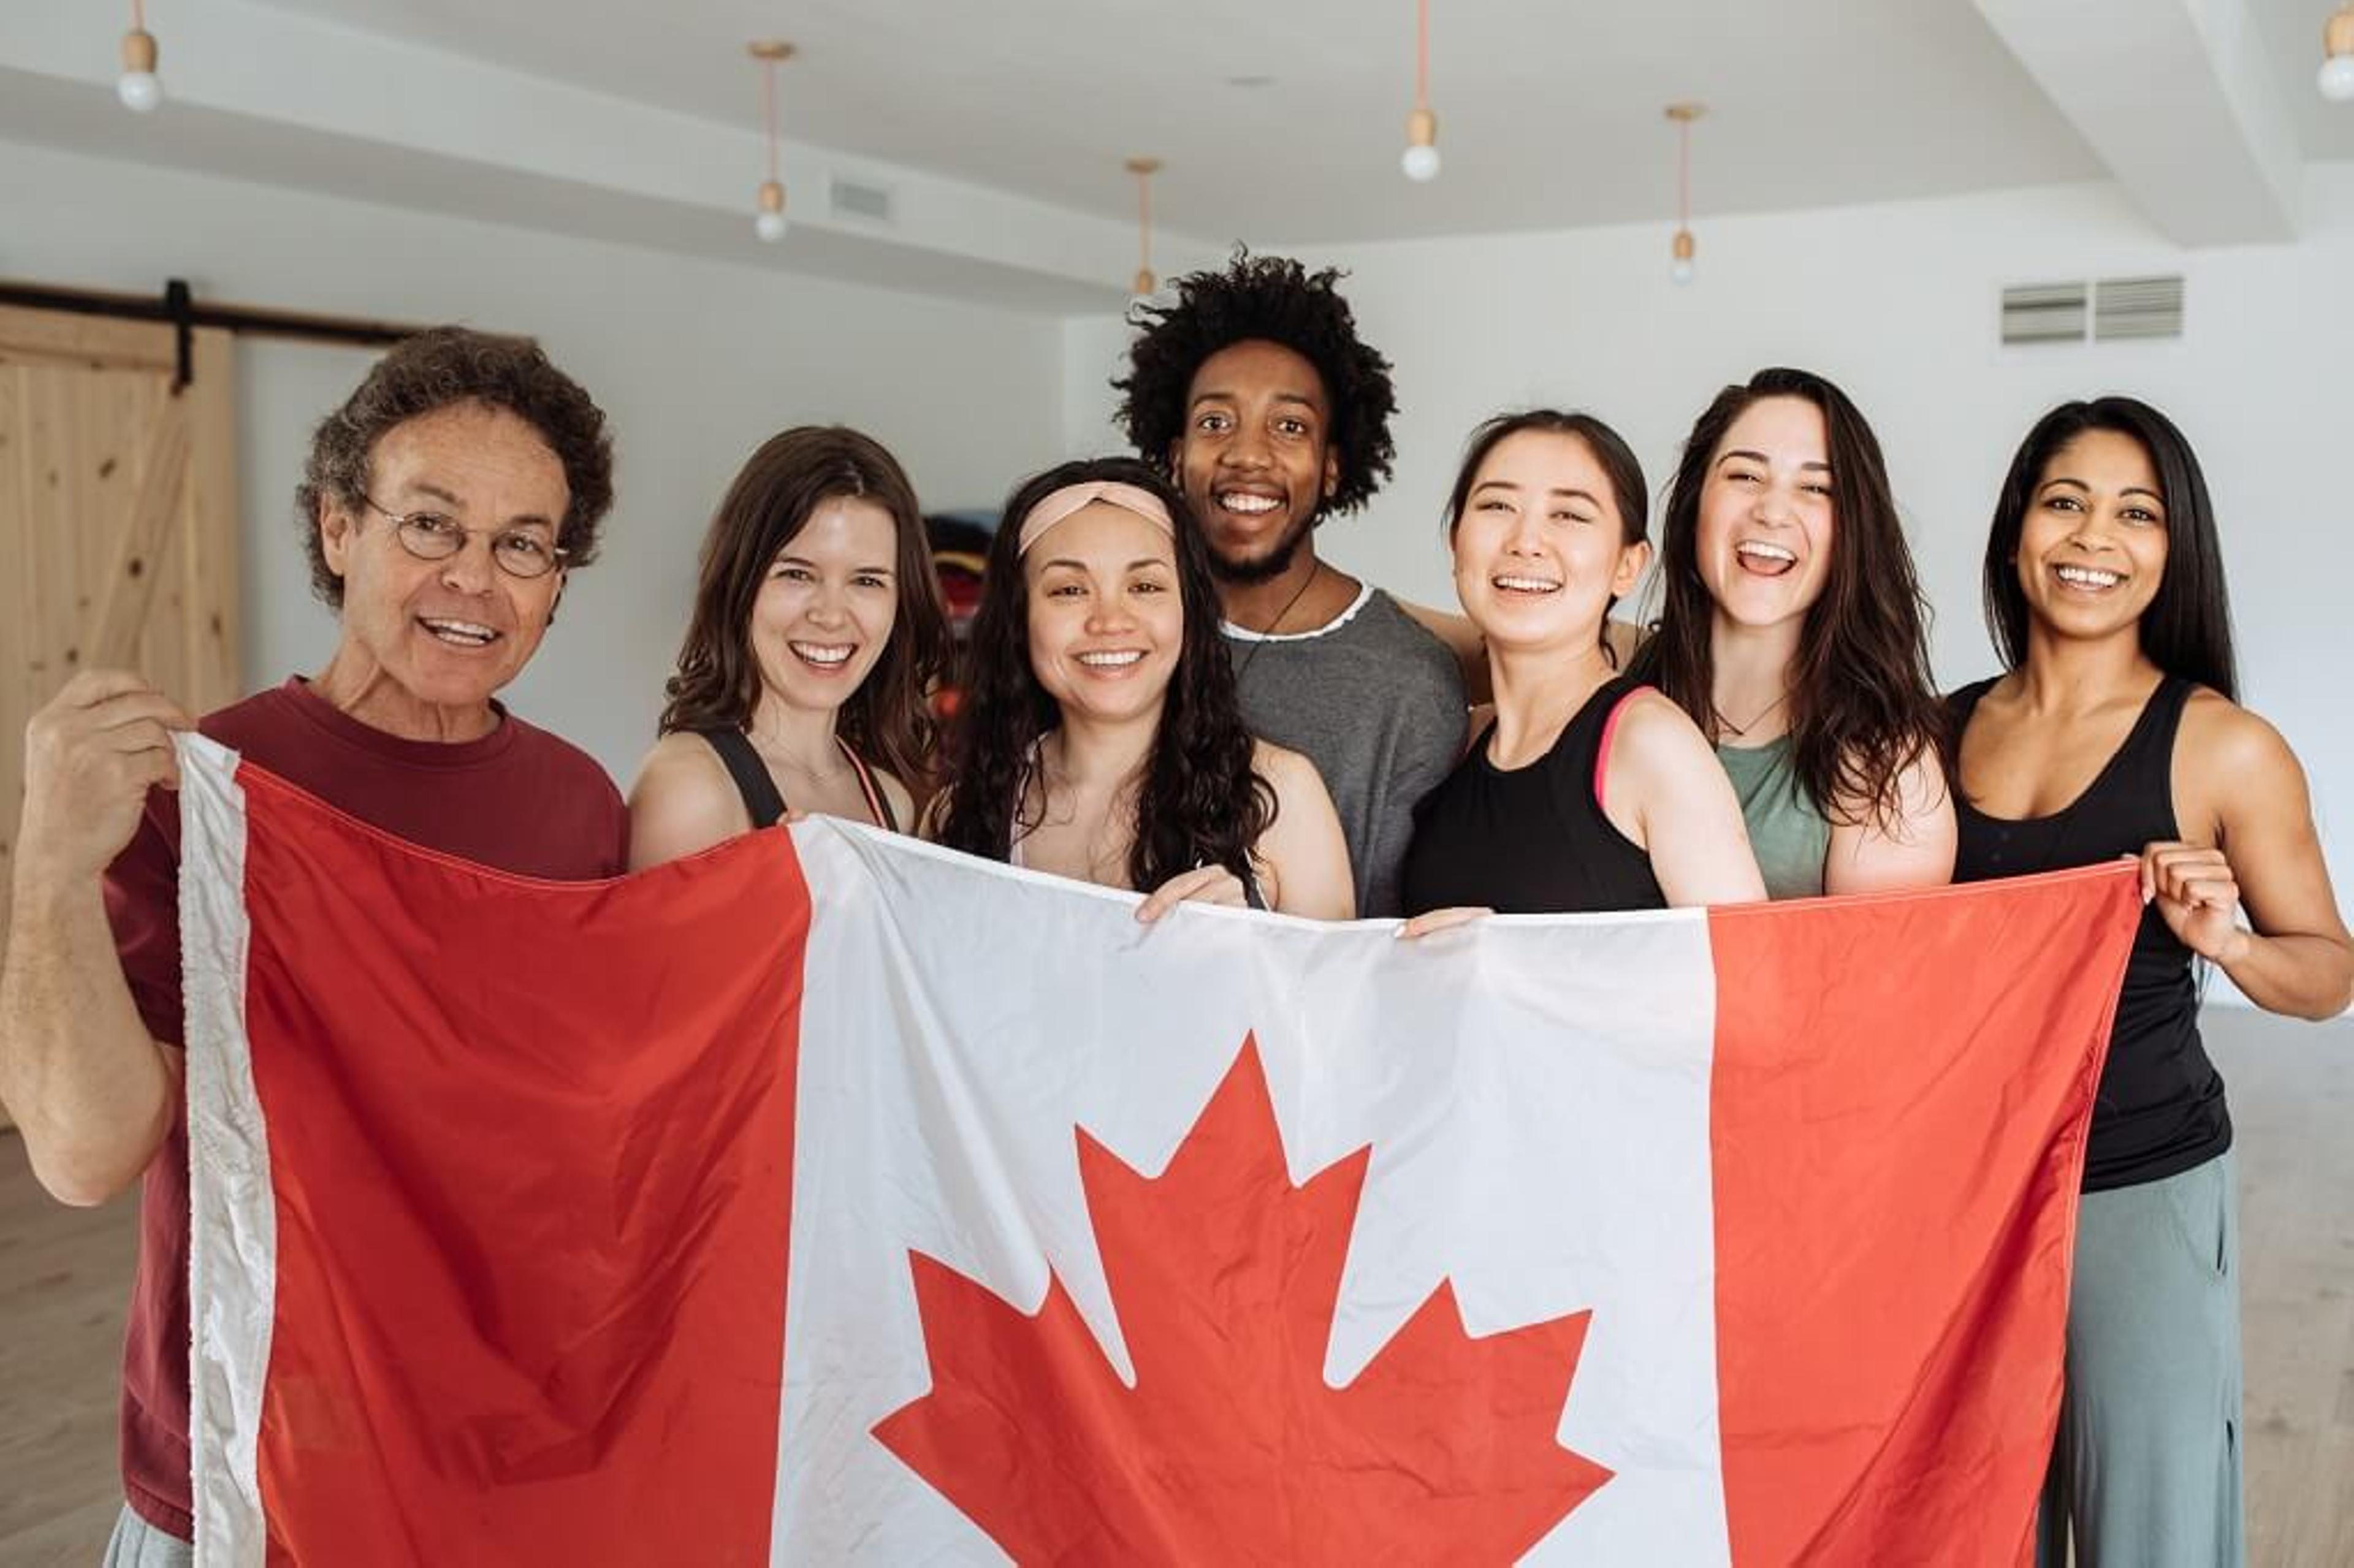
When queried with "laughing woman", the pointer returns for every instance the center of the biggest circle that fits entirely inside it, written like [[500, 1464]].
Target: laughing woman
[[1589, 792], [2116, 731], [1100, 738], [1793, 633], [816, 636]]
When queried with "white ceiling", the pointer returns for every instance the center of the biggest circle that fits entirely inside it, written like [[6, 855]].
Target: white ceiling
[[999, 130], [1549, 113]]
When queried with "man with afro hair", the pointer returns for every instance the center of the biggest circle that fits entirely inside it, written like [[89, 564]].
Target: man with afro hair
[[1255, 394]]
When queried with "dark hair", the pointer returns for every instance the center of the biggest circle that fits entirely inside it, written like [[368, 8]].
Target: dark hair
[[443, 368], [1629, 493], [1861, 707], [887, 719], [1269, 299], [1202, 802], [2187, 630]]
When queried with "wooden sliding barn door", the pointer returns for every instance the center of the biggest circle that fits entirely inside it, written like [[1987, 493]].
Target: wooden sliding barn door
[[118, 521]]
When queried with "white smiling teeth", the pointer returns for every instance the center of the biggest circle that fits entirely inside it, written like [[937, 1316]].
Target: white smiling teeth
[[2089, 577], [1251, 503], [466, 633], [1525, 585], [822, 653], [1763, 551], [1110, 660]]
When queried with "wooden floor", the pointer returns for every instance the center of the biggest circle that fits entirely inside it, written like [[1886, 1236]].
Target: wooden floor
[[64, 1274]]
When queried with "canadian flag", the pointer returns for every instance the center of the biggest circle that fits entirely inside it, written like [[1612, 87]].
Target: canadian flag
[[829, 1197]]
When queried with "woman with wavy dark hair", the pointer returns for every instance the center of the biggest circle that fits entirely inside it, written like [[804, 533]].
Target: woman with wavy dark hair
[[2115, 732], [1587, 792], [1100, 738], [1793, 630], [816, 637]]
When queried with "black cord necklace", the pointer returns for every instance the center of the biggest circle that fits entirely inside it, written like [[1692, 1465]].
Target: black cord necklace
[[1260, 638], [1725, 727]]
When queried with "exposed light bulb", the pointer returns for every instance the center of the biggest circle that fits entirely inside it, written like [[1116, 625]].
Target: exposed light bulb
[[771, 223], [138, 86], [1421, 160], [2337, 54], [1680, 270], [1145, 283]]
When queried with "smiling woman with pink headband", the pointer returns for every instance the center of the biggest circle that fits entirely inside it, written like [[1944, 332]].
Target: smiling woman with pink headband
[[1100, 738]]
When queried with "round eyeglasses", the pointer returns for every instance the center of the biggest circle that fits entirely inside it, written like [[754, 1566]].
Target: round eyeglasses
[[436, 536]]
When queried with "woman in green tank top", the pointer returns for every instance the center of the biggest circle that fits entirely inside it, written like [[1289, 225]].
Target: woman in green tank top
[[1792, 630]]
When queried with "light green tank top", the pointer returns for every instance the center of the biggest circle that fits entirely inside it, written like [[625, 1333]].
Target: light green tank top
[[1791, 838]]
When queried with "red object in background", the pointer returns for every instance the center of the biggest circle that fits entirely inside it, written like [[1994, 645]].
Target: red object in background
[[960, 544]]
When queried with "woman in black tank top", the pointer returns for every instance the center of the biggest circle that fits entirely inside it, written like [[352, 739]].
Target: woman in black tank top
[[2115, 733], [816, 638], [1586, 791]]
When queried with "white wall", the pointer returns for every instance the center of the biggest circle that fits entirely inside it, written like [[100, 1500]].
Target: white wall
[[1898, 304], [695, 363]]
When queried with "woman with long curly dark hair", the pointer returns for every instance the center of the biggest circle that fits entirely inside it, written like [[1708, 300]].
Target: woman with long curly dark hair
[[1793, 632], [1100, 738], [816, 637], [2116, 730]]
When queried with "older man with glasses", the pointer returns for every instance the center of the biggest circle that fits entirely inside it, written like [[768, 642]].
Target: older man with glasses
[[442, 507]]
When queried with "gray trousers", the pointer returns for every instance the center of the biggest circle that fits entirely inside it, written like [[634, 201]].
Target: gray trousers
[[2147, 1466], [139, 1545]]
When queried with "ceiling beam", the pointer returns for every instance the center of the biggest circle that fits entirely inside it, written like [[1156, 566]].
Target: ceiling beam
[[2178, 99]]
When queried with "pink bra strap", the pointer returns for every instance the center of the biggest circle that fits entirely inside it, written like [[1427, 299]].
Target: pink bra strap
[[1610, 729]]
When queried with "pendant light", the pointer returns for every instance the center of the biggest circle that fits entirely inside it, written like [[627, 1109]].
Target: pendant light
[[1144, 169], [1679, 265], [139, 87], [769, 223], [1421, 160], [2337, 54]]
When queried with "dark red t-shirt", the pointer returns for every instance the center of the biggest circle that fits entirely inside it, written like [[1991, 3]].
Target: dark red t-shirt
[[518, 799]]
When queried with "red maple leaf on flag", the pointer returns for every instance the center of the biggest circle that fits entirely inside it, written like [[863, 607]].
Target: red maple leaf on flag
[[1231, 1448]]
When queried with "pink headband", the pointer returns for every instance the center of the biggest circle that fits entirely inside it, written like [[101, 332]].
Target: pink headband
[[1061, 503]]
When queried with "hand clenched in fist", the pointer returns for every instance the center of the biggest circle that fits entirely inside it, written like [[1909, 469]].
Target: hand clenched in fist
[[90, 756]]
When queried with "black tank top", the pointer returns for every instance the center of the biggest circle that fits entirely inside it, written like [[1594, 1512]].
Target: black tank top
[[1533, 840], [763, 802], [2160, 1110]]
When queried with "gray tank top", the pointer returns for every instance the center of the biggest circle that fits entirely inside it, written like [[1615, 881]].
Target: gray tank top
[[1790, 837], [1376, 703]]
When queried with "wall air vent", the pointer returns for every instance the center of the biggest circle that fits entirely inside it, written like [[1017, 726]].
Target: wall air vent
[[2136, 307], [2044, 312], [854, 199]]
